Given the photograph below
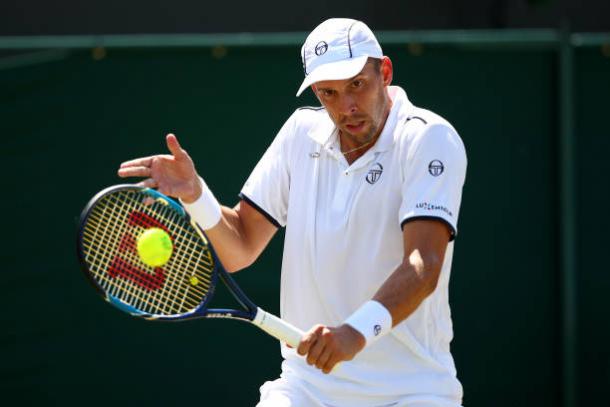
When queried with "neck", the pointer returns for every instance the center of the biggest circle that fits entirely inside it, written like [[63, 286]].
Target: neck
[[351, 154]]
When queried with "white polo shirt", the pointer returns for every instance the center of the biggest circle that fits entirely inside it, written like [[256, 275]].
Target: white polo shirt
[[344, 238]]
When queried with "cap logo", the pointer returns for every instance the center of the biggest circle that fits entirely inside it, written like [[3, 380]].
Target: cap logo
[[321, 48]]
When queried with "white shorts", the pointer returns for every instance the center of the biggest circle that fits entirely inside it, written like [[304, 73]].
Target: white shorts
[[289, 392], [286, 393]]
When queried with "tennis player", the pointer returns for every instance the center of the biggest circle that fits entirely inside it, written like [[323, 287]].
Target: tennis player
[[368, 187]]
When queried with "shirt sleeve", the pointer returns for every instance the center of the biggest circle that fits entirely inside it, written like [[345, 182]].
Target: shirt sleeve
[[268, 185], [433, 177]]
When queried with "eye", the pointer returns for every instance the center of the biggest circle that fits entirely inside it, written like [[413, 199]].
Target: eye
[[356, 83], [327, 92]]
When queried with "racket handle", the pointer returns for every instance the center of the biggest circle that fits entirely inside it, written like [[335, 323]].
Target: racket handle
[[278, 328]]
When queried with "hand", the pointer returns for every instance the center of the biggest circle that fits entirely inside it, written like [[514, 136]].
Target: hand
[[327, 346], [172, 175]]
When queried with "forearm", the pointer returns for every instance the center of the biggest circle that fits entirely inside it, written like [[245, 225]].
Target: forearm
[[236, 246], [407, 287]]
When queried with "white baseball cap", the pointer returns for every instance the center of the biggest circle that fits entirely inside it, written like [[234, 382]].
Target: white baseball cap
[[337, 49]]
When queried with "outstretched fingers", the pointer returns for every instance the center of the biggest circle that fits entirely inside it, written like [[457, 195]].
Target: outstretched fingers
[[173, 175], [125, 172], [174, 146], [138, 162]]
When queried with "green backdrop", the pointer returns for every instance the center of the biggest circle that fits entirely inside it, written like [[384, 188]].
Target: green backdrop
[[68, 123], [592, 73]]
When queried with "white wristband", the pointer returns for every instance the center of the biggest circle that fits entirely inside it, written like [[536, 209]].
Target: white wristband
[[205, 211], [372, 320]]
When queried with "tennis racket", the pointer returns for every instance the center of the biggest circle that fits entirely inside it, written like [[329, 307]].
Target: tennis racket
[[182, 288]]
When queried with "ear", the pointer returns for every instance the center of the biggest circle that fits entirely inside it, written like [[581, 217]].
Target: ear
[[387, 70]]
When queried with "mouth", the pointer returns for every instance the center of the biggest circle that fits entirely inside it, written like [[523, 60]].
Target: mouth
[[355, 127]]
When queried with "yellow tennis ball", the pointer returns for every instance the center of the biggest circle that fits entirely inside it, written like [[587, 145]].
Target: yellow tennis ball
[[155, 247]]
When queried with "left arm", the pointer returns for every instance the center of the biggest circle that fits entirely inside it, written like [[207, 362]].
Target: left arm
[[425, 242]]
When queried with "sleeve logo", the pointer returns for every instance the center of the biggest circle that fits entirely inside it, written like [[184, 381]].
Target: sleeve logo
[[431, 207], [436, 168], [377, 330]]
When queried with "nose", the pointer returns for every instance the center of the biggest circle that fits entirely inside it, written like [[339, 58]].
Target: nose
[[348, 105]]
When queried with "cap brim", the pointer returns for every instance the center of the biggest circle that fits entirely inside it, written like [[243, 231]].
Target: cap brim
[[348, 68]]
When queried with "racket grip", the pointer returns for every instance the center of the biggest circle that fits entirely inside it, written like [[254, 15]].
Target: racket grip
[[278, 328]]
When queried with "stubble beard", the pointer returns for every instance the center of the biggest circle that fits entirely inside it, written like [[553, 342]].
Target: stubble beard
[[362, 138]]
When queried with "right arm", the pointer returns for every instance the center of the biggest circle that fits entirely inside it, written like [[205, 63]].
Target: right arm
[[242, 232], [240, 236]]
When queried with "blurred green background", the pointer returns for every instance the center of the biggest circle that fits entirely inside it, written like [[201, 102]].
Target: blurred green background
[[70, 115]]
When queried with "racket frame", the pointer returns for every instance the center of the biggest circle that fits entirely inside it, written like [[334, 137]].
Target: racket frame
[[201, 311]]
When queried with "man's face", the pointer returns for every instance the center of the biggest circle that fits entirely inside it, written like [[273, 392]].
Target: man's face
[[358, 106]]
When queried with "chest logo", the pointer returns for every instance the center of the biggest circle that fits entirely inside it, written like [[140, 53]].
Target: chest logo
[[436, 168], [374, 173]]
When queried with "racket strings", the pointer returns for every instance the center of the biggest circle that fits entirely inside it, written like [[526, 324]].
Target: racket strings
[[167, 303], [178, 287], [127, 288], [131, 293], [131, 289]]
